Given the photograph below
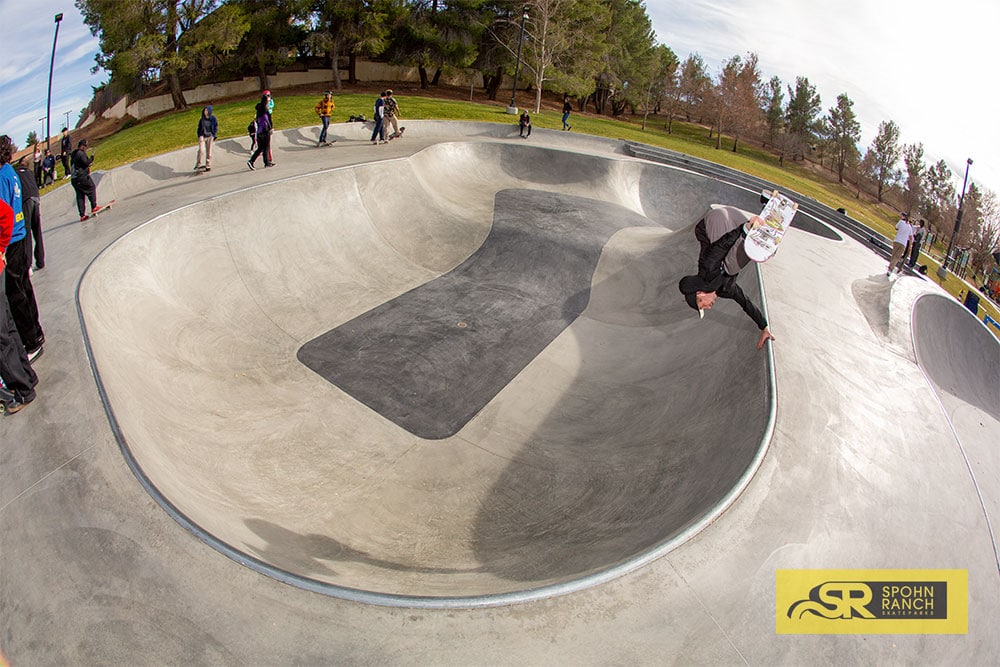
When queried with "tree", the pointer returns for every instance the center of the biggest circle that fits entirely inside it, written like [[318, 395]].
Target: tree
[[938, 203], [659, 82], [143, 40], [438, 34], [801, 115], [775, 113], [695, 84], [981, 232], [350, 27], [741, 97], [565, 44], [843, 132], [629, 59], [32, 139], [276, 29], [885, 153], [913, 159]]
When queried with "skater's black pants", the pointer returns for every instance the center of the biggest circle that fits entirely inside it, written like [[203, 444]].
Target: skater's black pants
[[33, 220], [21, 295], [15, 370], [263, 147], [85, 189]]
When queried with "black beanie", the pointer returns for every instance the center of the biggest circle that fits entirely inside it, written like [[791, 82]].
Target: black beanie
[[691, 285]]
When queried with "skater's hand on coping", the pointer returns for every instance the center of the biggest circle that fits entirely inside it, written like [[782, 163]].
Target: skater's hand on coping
[[765, 336]]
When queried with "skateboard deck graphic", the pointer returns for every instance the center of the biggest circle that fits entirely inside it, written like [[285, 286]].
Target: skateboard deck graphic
[[396, 135], [762, 241]]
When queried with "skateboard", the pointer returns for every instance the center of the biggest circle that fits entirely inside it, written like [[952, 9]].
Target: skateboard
[[326, 143], [7, 398], [102, 209], [762, 240], [396, 135], [198, 170]]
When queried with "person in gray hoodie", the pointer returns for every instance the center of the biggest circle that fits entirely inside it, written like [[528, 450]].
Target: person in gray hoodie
[[208, 128]]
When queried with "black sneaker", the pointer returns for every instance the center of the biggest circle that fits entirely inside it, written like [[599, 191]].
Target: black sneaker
[[17, 405], [250, 164]]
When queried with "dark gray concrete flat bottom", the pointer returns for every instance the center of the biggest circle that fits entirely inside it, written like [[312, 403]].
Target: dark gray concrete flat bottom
[[431, 359]]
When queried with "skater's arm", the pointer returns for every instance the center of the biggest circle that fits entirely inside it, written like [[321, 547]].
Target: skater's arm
[[735, 293], [710, 263]]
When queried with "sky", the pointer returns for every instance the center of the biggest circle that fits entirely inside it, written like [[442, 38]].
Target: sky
[[925, 65]]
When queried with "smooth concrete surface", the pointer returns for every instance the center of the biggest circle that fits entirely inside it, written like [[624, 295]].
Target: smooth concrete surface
[[867, 467]]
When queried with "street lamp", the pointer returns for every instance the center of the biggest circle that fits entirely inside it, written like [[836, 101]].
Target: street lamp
[[512, 109], [48, 103], [943, 270]]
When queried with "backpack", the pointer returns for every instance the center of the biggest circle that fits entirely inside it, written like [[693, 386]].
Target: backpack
[[252, 128]]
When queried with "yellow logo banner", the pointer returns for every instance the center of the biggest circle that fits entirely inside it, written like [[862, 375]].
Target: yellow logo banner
[[872, 602]]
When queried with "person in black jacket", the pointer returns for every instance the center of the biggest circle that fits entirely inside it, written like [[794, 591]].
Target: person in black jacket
[[721, 235], [208, 129], [31, 205], [82, 183]]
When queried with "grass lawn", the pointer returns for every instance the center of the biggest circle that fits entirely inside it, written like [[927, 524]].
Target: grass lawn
[[176, 130]]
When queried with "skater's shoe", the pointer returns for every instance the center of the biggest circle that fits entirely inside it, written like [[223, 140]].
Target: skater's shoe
[[250, 164], [95, 210], [83, 218], [17, 405], [34, 354], [270, 164]]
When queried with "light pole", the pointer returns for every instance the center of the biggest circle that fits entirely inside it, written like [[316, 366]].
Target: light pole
[[512, 109], [48, 103], [943, 270]]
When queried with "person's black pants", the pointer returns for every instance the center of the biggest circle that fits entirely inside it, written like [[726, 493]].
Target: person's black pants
[[263, 148], [33, 220], [15, 370], [21, 295], [85, 190]]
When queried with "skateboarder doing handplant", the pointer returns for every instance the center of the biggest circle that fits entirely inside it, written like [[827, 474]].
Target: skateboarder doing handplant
[[722, 256]]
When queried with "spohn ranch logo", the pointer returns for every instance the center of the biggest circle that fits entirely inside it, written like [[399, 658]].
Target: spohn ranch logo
[[872, 601]]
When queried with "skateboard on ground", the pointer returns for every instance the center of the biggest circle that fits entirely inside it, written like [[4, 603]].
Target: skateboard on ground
[[762, 240], [325, 143], [7, 398], [396, 135], [198, 170], [102, 209]]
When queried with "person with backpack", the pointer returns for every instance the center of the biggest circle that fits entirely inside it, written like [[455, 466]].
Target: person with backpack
[[524, 124], [263, 133], [324, 108], [208, 128]]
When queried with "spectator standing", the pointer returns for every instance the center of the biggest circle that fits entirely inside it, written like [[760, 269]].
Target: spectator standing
[[269, 162], [567, 108], [36, 162], [903, 234], [263, 133], [378, 133], [918, 238], [391, 115], [82, 183], [17, 282], [15, 370], [324, 108], [48, 169], [208, 128], [65, 150], [31, 206]]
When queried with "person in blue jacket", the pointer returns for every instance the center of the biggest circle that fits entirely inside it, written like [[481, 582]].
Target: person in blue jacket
[[208, 129], [17, 283]]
